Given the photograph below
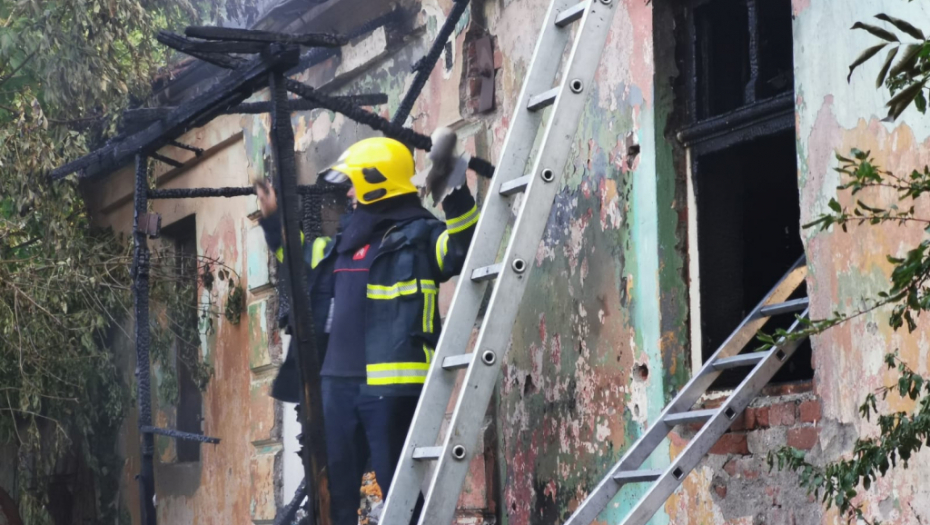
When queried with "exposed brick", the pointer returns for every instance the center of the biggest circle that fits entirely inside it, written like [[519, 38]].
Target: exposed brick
[[731, 443], [786, 389], [740, 422], [810, 411], [474, 87], [498, 59], [750, 473], [782, 414], [803, 438], [757, 417], [721, 490], [730, 467]]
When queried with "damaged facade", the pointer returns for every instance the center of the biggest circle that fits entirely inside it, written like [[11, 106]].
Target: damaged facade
[[707, 140]]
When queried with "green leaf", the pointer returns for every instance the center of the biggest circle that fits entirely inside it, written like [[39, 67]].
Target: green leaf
[[903, 99], [884, 71], [877, 31], [908, 59], [864, 56], [902, 26], [835, 206]]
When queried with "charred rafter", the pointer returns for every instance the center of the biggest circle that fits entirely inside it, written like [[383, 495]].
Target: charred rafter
[[142, 116], [236, 88], [187, 46], [195, 150], [235, 191], [376, 122], [167, 160], [177, 434], [214, 46], [267, 37]]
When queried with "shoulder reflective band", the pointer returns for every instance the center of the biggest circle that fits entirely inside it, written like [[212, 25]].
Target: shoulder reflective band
[[397, 373], [279, 253], [442, 248], [377, 291], [319, 250], [462, 222]]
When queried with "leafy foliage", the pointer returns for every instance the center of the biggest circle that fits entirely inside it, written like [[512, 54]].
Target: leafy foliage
[[900, 434], [67, 67], [906, 67]]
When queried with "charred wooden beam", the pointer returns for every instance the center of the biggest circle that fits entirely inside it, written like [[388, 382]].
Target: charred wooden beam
[[197, 151], [141, 116], [234, 191], [424, 67], [218, 46], [372, 99], [186, 46], [268, 37], [376, 122], [233, 90], [169, 161], [177, 434], [294, 281]]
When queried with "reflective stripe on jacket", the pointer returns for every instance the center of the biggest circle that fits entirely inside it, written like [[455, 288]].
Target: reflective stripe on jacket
[[401, 318]]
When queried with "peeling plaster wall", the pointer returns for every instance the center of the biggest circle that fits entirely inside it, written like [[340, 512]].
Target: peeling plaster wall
[[235, 481], [834, 116], [598, 345], [733, 484]]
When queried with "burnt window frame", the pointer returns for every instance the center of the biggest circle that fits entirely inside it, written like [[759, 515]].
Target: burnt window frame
[[755, 118]]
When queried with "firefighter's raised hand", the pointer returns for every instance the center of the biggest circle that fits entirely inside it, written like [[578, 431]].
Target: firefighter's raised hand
[[267, 200]]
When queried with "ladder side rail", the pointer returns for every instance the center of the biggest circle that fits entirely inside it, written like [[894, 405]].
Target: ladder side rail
[[640, 451], [705, 439], [495, 332], [468, 296]]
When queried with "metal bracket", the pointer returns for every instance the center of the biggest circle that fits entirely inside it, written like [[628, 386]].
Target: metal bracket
[[150, 224]]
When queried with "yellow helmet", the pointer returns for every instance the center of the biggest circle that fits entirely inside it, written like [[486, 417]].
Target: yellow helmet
[[379, 168]]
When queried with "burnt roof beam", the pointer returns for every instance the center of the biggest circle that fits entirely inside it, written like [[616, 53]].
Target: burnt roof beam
[[138, 116], [185, 45], [188, 47], [267, 37], [236, 88]]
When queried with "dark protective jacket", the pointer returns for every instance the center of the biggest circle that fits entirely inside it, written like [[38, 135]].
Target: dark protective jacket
[[401, 317]]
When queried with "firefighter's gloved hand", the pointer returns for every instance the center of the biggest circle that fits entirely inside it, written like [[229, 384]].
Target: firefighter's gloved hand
[[448, 170]]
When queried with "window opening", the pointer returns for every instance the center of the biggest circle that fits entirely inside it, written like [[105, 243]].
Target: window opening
[[743, 167], [182, 238], [748, 214]]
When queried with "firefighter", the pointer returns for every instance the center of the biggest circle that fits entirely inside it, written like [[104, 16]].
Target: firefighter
[[374, 296]]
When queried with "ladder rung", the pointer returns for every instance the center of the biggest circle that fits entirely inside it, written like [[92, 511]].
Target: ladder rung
[[694, 416], [423, 453], [572, 14], [786, 307], [486, 273], [456, 362], [515, 186], [637, 476], [542, 100], [740, 360]]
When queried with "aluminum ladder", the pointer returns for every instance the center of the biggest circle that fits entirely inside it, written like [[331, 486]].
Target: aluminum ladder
[[444, 465], [762, 366]]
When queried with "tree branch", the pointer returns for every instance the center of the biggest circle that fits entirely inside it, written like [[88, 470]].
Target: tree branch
[[7, 78]]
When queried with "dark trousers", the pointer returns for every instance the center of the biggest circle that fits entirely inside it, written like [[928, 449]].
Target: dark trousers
[[358, 428]]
